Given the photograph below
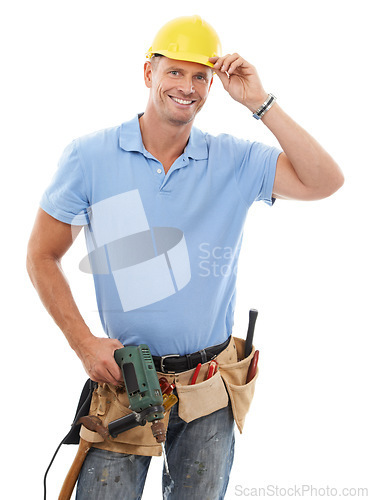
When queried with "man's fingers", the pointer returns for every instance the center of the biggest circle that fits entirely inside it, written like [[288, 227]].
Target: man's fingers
[[223, 63], [107, 375], [229, 63], [115, 372], [224, 78], [113, 378], [236, 64], [214, 59], [98, 360]]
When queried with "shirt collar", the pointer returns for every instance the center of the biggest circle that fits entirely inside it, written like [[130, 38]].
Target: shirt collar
[[130, 140]]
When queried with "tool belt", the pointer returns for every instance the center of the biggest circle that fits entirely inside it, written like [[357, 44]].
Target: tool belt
[[174, 363], [206, 396]]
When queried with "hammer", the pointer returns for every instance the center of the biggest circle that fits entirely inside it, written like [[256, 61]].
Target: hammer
[[93, 424], [253, 314], [72, 476]]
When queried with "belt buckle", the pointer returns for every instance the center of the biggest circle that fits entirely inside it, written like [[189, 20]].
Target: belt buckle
[[162, 358]]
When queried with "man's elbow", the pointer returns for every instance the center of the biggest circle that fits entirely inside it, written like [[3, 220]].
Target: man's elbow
[[35, 261], [328, 185], [31, 263], [336, 181]]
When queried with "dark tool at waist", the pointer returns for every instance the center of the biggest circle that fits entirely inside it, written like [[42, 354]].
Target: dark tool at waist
[[176, 363]]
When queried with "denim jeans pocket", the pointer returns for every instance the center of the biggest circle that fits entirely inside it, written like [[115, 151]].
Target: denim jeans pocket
[[202, 398]]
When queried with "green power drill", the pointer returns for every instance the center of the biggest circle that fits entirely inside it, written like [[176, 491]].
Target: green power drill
[[144, 394], [143, 390]]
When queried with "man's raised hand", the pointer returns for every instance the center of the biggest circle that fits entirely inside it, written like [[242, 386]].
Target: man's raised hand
[[240, 79]]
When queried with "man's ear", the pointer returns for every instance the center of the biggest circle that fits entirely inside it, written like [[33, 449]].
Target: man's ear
[[148, 74]]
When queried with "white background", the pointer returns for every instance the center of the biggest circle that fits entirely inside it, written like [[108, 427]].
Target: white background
[[73, 67]]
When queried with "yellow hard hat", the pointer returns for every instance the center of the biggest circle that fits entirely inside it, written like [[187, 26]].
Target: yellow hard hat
[[187, 38]]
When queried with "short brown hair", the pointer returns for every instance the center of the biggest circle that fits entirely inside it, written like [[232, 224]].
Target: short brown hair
[[155, 59]]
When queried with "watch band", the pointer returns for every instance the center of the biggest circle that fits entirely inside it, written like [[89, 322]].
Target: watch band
[[265, 107]]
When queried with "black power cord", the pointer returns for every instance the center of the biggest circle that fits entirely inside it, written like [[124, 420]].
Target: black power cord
[[50, 464], [73, 435]]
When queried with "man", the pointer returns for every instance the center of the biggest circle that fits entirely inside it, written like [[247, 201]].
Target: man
[[167, 204]]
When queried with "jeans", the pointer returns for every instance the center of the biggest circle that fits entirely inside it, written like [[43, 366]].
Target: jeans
[[200, 457]]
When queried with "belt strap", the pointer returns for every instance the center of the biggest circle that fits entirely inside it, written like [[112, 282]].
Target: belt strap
[[176, 363]]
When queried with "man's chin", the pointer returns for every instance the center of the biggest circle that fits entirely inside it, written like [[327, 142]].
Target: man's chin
[[178, 121], [181, 118]]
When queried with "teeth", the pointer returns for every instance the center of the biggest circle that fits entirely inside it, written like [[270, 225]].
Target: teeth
[[181, 101]]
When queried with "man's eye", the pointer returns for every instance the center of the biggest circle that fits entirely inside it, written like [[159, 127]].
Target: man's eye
[[200, 77], [175, 73]]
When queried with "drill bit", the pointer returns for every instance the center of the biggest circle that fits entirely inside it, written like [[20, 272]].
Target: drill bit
[[165, 459]]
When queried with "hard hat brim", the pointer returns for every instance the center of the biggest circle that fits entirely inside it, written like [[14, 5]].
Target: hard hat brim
[[184, 56]]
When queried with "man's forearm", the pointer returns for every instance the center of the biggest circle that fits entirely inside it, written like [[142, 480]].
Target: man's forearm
[[51, 284], [49, 241], [315, 168], [305, 171], [96, 354]]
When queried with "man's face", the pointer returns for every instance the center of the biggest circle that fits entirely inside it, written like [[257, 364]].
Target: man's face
[[179, 89]]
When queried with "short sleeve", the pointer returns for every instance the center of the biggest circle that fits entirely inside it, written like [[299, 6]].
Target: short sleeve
[[66, 197], [256, 172]]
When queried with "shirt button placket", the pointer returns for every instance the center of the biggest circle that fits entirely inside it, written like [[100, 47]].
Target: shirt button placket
[[163, 179]]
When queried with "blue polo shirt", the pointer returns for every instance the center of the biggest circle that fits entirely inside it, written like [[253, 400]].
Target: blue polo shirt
[[162, 248]]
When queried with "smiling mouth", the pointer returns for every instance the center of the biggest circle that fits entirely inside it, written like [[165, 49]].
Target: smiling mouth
[[184, 102]]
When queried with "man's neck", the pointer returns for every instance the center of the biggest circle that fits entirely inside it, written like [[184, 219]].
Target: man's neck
[[166, 142]]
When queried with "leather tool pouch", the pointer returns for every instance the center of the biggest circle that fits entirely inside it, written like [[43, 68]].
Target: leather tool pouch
[[202, 398], [110, 403], [234, 376], [207, 396]]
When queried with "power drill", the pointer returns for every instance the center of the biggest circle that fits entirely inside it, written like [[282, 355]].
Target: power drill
[[143, 390], [149, 398]]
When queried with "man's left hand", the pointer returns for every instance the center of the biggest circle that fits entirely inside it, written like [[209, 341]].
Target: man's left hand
[[240, 80]]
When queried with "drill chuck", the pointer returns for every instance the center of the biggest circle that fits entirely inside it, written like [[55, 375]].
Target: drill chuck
[[158, 431]]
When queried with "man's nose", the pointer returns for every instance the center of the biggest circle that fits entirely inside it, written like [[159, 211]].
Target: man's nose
[[186, 86]]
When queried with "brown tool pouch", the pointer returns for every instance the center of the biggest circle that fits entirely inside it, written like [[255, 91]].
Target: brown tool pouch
[[207, 396], [110, 403], [202, 398], [234, 376]]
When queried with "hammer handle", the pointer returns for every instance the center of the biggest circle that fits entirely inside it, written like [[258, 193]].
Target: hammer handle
[[253, 314], [72, 476]]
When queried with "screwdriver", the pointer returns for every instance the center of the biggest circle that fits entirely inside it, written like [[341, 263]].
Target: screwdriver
[[169, 400], [165, 386]]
